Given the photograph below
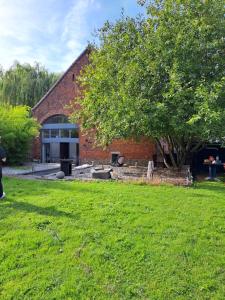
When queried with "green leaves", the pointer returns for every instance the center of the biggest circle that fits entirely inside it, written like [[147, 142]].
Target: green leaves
[[25, 84], [160, 76], [17, 130]]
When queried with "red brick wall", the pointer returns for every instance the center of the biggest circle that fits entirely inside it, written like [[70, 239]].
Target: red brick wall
[[140, 151], [62, 94], [55, 103], [36, 148]]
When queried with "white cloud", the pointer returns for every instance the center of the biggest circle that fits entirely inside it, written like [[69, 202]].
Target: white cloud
[[53, 32], [76, 27]]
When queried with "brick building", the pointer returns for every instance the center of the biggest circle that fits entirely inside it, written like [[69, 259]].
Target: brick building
[[60, 139]]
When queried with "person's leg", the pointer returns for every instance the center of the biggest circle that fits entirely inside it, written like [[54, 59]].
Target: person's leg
[[214, 172], [210, 172], [1, 187]]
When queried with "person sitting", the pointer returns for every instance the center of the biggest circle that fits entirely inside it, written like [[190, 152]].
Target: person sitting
[[213, 164]]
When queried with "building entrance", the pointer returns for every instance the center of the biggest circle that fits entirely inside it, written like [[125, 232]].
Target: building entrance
[[60, 140], [64, 150]]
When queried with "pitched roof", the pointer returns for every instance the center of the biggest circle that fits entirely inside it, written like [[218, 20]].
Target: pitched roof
[[61, 78]]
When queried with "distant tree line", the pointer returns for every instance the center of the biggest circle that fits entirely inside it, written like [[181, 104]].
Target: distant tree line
[[24, 84]]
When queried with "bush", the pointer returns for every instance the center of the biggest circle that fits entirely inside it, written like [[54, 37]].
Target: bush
[[17, 129]]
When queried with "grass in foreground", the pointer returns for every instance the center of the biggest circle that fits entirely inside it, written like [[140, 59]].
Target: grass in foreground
[[74, 240]]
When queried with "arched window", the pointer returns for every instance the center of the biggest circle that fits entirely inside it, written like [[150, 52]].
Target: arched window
[[59, 127], [57, 119]]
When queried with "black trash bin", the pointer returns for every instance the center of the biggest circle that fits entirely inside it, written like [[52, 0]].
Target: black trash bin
[[66, 166]]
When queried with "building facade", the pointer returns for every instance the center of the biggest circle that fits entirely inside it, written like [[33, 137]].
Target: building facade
[[59, 139]]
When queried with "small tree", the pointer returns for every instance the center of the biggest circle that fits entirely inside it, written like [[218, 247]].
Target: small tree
[[161, 77], [17, 130]]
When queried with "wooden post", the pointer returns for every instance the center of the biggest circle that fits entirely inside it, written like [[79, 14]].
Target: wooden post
[[150, 169]]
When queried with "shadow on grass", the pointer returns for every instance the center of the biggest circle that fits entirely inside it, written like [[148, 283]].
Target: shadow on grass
[[11, 206], [217, 188], [43, 185]]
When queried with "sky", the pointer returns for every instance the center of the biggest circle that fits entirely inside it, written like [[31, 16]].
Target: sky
[[53, 32]]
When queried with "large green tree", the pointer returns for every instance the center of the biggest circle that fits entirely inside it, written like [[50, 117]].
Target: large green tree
[[162, 76], [24, 84]]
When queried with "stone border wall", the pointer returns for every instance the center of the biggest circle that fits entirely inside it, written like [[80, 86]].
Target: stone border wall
[[160, 175], [128, 162]]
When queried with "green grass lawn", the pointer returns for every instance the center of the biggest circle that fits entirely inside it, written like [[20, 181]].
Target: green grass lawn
[[108, 240]]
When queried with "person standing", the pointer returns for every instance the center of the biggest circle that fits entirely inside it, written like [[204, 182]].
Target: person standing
[[2, 159]]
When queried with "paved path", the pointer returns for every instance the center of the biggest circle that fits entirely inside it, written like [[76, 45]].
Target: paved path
[[27, 169]]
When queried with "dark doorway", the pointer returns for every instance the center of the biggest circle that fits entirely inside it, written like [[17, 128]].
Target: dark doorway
[[64, 150], [114, 158]]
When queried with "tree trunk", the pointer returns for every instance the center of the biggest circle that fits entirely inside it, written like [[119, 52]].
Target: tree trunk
[[162, 153], [181, 150]]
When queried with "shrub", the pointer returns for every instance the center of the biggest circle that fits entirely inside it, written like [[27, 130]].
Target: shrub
[[17, 129]]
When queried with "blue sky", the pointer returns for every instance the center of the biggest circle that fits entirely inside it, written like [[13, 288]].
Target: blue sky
[[53, 32]]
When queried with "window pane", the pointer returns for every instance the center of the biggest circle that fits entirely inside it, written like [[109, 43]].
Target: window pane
[[45, 134], [57, 119], [74, 133], [65, 133], [54, 133]]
